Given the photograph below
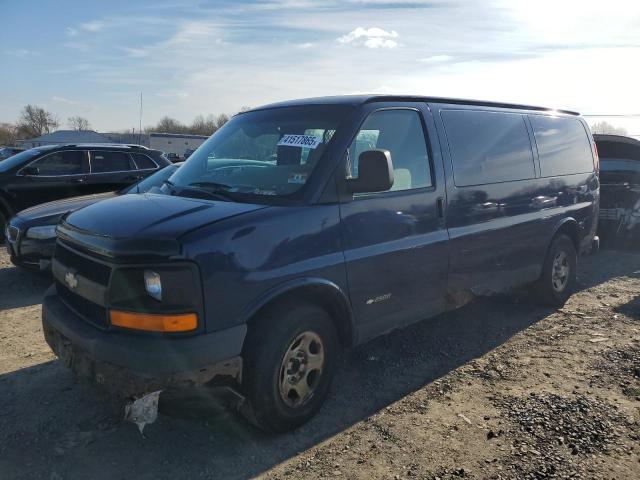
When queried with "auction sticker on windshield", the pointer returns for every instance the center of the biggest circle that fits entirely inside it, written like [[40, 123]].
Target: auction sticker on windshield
[[303, 141]]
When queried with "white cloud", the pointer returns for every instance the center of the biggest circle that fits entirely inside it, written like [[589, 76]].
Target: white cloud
[[305, 45], [93, 26], [64, 100], [437, 59], [21, 53], [197, 31], [71, 32], [373, 37], [172, 94], [135, 52]]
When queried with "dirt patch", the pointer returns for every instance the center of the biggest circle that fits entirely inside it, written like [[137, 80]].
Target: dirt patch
[[621, 367], [552, 428]]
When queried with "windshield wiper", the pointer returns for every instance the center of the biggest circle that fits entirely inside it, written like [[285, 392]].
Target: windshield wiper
[[213, 185], [214, 188], [215, 194]]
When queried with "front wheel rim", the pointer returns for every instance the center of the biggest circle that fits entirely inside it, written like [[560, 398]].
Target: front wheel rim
[[560, 271], [301, 369]]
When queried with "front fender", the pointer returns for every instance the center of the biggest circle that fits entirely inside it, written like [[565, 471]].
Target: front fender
[[329, 294]]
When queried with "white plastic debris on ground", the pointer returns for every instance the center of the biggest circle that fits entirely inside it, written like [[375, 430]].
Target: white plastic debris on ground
[[144, 410]]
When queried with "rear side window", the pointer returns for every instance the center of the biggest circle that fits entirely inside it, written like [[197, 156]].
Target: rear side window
[[143, 162], [60, 163], [488, 147], [563, 145], [102, 162]]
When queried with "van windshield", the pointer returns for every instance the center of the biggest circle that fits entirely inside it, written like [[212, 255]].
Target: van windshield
[[270, 152]]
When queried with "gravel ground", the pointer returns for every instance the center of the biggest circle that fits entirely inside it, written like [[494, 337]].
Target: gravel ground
[[499, 389]]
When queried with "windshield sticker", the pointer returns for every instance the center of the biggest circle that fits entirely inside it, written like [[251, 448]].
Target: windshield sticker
[[297, 178], [302, 141]]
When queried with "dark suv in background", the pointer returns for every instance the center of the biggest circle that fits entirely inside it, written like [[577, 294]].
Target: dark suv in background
[[6, 152], [48, 173], [31, 234]]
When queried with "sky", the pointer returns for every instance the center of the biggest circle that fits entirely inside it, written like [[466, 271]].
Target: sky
[[200, 57]]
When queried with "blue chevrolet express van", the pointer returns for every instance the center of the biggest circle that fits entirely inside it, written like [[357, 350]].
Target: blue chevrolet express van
[[303, 227]]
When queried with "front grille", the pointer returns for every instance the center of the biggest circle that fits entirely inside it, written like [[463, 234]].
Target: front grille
[[610, 214], [87, 267], [89, 311]]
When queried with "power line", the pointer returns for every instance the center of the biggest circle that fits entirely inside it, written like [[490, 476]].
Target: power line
[[613, 115]]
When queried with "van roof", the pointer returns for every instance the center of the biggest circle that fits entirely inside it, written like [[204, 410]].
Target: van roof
[[362, 99]]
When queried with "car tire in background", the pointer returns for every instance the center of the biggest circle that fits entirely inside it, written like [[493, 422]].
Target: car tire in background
[[290, 356], [3, 226], [558, 278]]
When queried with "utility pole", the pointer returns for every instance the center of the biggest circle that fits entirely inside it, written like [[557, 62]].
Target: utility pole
[[140, 124]]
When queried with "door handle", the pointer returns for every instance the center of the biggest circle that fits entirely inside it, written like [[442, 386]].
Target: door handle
[[77, 180], [440, 210], [440, 207]]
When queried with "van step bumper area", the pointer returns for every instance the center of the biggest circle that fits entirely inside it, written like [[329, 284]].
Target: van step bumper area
[[130, 365]]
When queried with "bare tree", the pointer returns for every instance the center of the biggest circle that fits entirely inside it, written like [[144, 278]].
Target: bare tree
[[221, 120], [8, 134], [36, 121], [607, 129], [200, 126], [78, 123], [203, 126], [168, 125]]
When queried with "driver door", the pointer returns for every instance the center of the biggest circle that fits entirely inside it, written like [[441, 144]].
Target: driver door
[[395, 242], [56, 175]]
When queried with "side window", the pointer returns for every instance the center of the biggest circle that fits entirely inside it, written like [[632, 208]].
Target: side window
[[102, 162], [563, 145], [488, 147], [143, 162], [400, 132], [60, 163]]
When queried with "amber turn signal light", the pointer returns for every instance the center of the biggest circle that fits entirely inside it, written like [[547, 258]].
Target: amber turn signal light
[[152, 322]]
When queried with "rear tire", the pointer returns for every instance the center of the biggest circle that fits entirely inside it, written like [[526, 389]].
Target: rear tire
[[558, 278], [290, 356]]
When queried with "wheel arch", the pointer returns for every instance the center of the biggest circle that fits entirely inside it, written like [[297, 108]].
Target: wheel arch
[[5, 207], [318, 291], [568, 226]]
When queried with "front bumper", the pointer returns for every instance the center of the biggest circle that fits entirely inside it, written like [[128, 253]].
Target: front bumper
[[30, 253], [132, 364]]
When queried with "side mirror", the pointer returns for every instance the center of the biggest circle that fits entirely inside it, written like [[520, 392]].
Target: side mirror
[[375, 172], [30, 171]]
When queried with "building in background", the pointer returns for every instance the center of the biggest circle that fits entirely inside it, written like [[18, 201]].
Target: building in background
[[60, 137], [175, 143], [128, 138]]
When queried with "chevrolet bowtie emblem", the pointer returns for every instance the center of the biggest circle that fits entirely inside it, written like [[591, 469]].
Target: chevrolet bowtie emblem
[[71, 280]]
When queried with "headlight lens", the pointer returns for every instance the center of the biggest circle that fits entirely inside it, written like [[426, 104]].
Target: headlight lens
[[43, 232], [153, 284]]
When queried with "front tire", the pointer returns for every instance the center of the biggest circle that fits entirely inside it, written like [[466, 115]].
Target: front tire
[[290, 356], [558, 278]]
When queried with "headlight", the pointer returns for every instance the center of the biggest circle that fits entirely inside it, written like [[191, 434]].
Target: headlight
[[153, 284], [43, 232]]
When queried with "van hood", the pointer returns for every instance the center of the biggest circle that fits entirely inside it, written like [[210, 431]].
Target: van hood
[[144, 224]]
